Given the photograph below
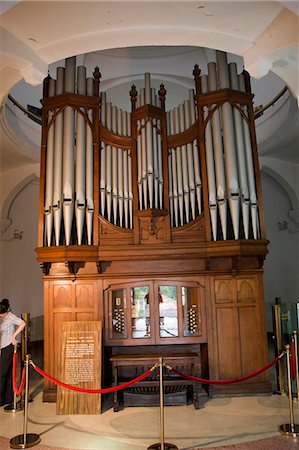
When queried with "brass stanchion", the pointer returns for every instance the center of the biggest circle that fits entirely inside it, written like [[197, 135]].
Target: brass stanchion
[[24, 344], [15, 406], [295, 334], [276, 315], [290, 429], [162, 445], [25, 440]]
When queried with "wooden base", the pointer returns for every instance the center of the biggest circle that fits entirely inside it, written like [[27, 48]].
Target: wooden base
[[239, 389]]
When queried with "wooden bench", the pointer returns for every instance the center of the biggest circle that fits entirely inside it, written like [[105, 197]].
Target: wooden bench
[[146, 392]]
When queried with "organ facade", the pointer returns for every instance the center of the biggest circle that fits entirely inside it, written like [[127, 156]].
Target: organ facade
[[151, 220]]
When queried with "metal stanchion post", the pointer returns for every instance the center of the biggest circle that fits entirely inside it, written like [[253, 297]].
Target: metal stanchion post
[[162, 445], [276, 314], [295, 334], [24, 343], [15, 406], [290, 429], [25, 440]]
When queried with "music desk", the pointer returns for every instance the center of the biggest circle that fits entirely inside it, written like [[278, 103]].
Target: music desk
[[186, 362]]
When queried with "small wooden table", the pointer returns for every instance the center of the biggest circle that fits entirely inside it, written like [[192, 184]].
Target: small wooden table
[[182, 361]]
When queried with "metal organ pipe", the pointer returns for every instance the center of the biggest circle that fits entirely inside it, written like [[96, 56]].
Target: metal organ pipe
[[130, 181], [241, 157], [218, 153], [103, 157], [48, 207], [190, 161], [174, 174], [144, 155], [68, 152], [109, 163], [195, 153], [179, 168], [89, 169], [210, 162], [231, 168], [114, 168], [80, 159], [58, 146], [250, 167], [120, 178], [181, 128], [125, 170]]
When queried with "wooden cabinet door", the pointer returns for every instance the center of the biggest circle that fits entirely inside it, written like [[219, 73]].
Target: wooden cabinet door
[[239, 326], [66, 301]]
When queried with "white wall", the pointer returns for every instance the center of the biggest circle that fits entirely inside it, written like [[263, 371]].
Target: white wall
[[282, 262], [21, 277]]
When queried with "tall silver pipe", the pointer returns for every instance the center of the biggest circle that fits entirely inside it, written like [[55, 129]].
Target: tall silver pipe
[[89, 169], [160, 164], [130, 182], [174, 174], [218, 154], [184, 165], [103, 177], [120, 174], [80, 159], [250, 167], [170, 188], [109, 163], [58, 147], [147, 86], [195, 153], [125, 171], [114, 168], [68, 151], [210, 163], [48, 206], [144, 155], [190, 160], [231, 168], [179, 169], [241, 157]]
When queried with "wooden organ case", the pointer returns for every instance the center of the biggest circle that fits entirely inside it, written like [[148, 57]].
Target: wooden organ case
[[152, 222]]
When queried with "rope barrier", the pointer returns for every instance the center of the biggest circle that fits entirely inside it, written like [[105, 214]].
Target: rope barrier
[[94, 391], [236, 380], [17, 390]]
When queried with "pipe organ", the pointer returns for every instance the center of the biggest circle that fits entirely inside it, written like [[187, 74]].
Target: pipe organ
[[154, 198]]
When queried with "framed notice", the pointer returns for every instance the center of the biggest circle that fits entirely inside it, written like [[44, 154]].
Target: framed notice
[[80, 365]]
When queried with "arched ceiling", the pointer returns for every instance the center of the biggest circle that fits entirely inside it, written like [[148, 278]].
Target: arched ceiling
[[130, 38], [38, 33]]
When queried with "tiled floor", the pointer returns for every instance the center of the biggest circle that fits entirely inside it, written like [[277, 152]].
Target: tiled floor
[[221, 422]]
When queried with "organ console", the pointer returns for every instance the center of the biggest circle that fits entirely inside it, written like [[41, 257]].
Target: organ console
[[153, 198]]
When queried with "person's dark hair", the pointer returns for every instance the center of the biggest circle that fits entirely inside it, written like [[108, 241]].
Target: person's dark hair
[[4, 306]]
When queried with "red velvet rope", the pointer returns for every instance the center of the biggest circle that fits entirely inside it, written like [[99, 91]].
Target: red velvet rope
[[235, 380], [93, 391], [293, 361], [14, 376]]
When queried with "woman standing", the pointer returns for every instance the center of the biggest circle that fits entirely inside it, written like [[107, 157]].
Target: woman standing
[[10, 327]]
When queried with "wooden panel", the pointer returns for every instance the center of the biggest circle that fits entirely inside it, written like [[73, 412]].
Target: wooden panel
[[252, 359], [62, 295], [246, 290], [80, 355], [228, 343], [66, 301], [84, 295], [225, 291]]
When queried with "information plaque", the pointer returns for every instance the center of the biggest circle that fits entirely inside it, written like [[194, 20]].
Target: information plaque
[[80, 366]]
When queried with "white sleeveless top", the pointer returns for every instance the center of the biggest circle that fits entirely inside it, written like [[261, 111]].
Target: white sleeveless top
[[8, 325]]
